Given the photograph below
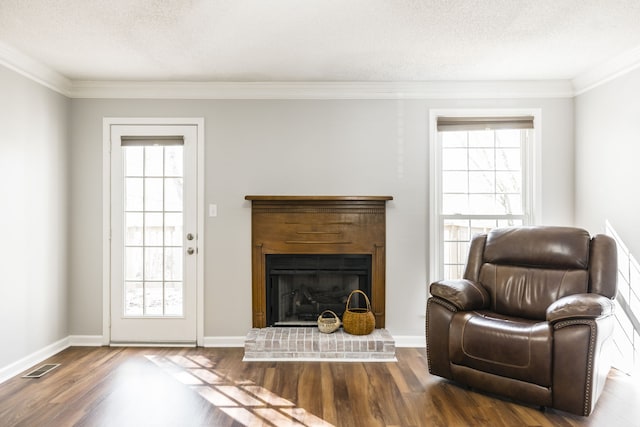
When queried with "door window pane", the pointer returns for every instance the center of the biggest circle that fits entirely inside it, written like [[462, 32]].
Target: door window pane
[[134, 193], [173, 161], [173, 264], [153, 194], [133, 266], [173, 194], [153, 161], [153, 264], [173, 230], [133, 229], [153, 231], [133, 298], [153, 298], [134, 161], [173, 295]]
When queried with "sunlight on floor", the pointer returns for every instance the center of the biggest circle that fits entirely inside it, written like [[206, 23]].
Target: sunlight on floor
[[244, 401]]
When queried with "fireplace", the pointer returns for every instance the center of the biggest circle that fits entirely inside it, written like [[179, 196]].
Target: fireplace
[[310, 252], [299, 287]]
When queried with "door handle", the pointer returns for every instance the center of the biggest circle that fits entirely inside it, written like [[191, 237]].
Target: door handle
[[190, 251]]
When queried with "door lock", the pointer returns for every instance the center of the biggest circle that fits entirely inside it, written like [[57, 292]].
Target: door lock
[[190, 236]]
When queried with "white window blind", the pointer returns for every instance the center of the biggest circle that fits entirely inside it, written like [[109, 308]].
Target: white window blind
[[454, 124]]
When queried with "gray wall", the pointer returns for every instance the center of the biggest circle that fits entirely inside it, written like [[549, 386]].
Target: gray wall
[[607, 153], [34, 218], [334, 147]]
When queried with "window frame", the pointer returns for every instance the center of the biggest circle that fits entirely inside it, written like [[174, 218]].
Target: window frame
[[530, 185]]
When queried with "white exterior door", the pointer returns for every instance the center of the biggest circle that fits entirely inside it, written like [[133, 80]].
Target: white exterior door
[[153, 229]]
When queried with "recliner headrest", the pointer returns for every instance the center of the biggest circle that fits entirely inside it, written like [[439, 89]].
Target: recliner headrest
[[539, 246]]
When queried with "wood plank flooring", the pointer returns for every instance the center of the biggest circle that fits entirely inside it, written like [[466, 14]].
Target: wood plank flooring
[[213, 387]]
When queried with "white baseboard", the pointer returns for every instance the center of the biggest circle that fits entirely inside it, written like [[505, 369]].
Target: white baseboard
[[410, 341], [32, 359], [231, 341], [85, 341]]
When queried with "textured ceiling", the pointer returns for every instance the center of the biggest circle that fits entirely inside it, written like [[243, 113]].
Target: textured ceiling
[[320, 40]]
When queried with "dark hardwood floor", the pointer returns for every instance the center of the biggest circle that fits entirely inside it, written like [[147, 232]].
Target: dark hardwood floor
[[213, 387]]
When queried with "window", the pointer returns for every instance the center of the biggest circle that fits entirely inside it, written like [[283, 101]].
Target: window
[[626, 335], [481, 179]]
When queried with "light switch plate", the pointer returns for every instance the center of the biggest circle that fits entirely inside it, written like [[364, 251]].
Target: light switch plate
[[213, 210]]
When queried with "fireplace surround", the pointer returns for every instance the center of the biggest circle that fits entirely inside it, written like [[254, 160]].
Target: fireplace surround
[[325, 230]]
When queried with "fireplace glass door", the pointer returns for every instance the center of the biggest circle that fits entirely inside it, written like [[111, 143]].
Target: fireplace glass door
[[301, 287]]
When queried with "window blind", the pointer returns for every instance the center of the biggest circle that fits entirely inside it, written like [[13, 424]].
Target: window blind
[[451, 124], [141, 141]]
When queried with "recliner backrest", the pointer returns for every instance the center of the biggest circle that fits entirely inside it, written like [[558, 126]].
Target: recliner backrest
[[525, 269]]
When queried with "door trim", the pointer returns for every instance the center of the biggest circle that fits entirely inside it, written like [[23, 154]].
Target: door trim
[[107, 122]]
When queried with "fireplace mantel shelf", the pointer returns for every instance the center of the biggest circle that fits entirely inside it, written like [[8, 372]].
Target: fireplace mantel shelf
[[320, 198]]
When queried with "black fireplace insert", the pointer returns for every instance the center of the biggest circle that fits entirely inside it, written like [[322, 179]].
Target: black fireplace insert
[[300, 286]]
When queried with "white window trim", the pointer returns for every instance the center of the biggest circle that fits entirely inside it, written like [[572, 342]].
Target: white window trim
[[533, 174]]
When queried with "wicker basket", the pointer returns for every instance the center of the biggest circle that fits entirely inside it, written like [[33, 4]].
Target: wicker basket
[[328, 325], [358, 321]]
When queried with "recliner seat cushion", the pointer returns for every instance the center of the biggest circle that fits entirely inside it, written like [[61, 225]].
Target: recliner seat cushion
[[502, 345]]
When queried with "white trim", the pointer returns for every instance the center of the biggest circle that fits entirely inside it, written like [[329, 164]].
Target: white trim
[[412, 341], [32, 359], [503, 89], [434, 184], [559, 88], [492, 89], [34, 70], [534, 194], [86, 340], [107, 122], [106, 230], [324, 90], [200, 207], [164, 344], [230, 341], [607, 71]]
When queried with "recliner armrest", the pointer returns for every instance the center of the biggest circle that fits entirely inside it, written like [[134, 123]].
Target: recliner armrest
[[580, 306], [463, 294]]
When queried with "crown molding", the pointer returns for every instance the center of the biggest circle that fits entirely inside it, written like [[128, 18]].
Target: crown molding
[[34, 70], [607, 71], [323, 90], [44, 75], [508, 89]]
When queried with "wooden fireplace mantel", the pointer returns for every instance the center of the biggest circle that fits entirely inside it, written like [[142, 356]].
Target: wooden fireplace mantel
[[318, 225], [318, 198]]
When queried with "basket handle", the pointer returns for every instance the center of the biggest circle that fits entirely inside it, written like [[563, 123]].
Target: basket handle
[[366, 299], [329, 311]]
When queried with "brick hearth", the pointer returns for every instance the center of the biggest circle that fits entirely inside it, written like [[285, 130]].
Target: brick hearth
[[309, 344]]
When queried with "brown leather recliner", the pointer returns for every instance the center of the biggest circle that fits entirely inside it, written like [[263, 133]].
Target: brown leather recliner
[[532, 318]]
